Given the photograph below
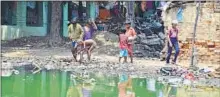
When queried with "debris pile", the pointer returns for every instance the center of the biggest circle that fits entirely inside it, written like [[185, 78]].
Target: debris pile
[[187, 76], [150, 38]]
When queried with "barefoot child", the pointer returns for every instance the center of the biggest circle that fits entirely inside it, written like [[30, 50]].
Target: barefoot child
[[130, 32], [123, 45], [173, 42]]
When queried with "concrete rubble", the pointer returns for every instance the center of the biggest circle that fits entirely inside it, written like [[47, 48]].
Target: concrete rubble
[[150, 39]]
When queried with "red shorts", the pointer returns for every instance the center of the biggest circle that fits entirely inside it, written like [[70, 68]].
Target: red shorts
[[130, 49]]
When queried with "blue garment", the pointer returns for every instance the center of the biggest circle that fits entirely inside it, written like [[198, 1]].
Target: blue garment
[[100, 27], [123, 53], [176, 46], [123, 78], [179, 15], [74, 44]]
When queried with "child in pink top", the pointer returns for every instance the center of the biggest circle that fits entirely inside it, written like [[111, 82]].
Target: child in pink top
[[123, 45], [173, 42]]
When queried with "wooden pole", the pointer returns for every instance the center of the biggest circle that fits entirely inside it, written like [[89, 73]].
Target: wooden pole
[[194, 35]]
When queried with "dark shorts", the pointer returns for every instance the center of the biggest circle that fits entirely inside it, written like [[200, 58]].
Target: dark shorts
[[74, 44]]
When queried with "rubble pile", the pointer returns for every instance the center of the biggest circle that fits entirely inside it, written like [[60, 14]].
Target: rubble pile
[[186, 76], [150, 39], [206, 51]]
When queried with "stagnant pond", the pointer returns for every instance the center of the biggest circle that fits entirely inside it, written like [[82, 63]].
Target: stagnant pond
[[56, 83]]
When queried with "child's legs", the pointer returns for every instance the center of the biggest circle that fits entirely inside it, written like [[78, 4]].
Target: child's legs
[[74, 49], [130, 52], [125, 55], [92, 45], [120, 59], [177, 50], [121, 55], [125, 59]]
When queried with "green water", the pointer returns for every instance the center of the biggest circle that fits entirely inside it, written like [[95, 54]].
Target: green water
[[63, 84]]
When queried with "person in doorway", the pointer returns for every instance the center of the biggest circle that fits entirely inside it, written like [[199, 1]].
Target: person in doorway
[[89, 29], [173, 42], [123, 45], [75, 33], [130, 32]]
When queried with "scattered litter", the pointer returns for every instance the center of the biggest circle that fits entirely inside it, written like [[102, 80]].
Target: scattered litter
[[16, 72]]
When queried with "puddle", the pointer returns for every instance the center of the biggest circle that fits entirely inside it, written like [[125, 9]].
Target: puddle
[[68, 84]]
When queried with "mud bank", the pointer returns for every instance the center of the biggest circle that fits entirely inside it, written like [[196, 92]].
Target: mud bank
[[36, 64]]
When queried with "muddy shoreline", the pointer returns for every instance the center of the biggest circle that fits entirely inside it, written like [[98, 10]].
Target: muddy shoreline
[[98, 65]]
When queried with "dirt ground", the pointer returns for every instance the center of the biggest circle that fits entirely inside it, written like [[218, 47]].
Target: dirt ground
[[107, 50], [104, 58]]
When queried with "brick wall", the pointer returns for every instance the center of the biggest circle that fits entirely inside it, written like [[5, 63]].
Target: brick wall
[[207, 34], [208, 22]]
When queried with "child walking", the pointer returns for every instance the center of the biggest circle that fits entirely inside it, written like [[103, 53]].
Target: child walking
[[123, 45], [173, 42]]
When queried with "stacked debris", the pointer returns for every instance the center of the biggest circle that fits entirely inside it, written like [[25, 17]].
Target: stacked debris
[[205, 72], [150, 38]]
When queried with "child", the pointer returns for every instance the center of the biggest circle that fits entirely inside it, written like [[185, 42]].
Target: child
[[123, 45], [173, 42]]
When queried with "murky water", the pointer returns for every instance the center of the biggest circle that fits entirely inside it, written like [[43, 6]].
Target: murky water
[[67, 84]]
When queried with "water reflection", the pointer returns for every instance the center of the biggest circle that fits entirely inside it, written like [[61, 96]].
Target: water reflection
[[69, 84], [125, 86]]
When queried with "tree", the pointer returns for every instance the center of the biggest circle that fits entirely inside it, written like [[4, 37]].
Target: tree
[[55, 23]]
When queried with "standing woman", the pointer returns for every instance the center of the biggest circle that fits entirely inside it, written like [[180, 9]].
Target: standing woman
[[89, 29]]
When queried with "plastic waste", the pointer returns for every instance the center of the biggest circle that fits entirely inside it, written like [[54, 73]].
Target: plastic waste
[[16, 72], [206, 70], [190, 76]]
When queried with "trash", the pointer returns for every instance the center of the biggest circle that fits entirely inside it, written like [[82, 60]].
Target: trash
[[168, 71], [206, 70], [190, 76], [16, 72]]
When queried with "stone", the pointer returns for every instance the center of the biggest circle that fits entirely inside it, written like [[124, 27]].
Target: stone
[[147, 31], [161, 35], [153, 36], [155, 41], [141, 36], [147, 48]]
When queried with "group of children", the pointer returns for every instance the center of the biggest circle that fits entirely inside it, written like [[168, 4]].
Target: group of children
[[126, 36], [82, 35]]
